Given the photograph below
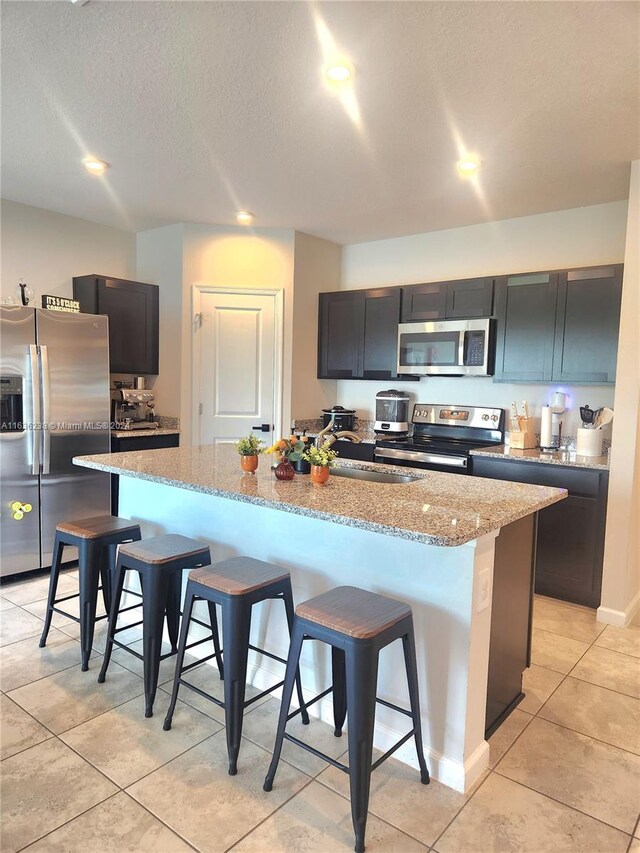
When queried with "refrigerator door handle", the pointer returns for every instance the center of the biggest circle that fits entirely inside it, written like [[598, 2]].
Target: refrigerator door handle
[[46, 409], [35, 409]]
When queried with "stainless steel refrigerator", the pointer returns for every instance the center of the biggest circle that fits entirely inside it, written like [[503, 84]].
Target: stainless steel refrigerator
[[54, 375]]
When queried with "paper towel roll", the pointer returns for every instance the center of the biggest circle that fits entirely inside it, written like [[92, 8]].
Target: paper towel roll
[[546, 431]]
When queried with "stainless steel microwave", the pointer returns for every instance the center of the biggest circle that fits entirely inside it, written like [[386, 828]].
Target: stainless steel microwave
[[447, 348]]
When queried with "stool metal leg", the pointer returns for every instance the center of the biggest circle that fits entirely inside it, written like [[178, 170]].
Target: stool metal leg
[[173, 608], [293, 659], [362, 676], [339, 679], [89, 560], [156, 587], [213, 619], [288, 603], [236, 623], [409, 648], [58, 548], [184, 633], [118, 583], [107, 568]]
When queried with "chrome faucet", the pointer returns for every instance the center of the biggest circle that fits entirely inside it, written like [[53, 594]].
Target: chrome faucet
[[323, 439]]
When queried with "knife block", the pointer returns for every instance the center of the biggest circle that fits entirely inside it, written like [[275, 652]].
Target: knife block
[[525, 437]]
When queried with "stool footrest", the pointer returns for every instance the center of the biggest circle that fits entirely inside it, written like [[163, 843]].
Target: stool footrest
[[67, 597], [264, 693], [390, 752], [127, 649], [316, 752], [267, 654], [126, 627], [395, 707], [196, 663], [202, 693], [199, 643], [310, 703]]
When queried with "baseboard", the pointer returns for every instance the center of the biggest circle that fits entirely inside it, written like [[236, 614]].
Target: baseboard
[[619, 618], [445, 769]]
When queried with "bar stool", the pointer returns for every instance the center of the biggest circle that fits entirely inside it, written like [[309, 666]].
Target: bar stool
[[236, 585], [96, 539], [160, 562], [356, 624]]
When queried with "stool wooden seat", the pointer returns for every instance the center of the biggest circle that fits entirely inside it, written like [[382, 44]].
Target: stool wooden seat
[[357, 624], [96, 539], [97, 526], [238, 575], [165, 549], [354, 612], [160, 562], [236, 585]]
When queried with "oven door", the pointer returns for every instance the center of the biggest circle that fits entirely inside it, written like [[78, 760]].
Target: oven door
[[428, 460]]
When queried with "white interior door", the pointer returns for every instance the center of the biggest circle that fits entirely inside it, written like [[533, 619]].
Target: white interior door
[[239, 382]]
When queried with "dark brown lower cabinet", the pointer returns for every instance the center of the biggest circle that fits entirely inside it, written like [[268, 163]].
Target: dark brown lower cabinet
[[570, 542], [146, 442]]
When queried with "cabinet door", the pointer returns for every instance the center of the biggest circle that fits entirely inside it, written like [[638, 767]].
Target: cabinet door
[[132, 308], [470, 298], [424, 302], [526, 309], [569, 552], [340, 335], [587, 321], [380, 347]]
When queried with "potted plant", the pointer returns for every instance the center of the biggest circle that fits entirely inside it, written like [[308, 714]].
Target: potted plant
[[288, 451], [321, 460], [248, 448]]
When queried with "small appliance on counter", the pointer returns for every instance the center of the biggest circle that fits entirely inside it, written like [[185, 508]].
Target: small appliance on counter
[[132, 408], [443, 436], [392, 413], [343, 419]]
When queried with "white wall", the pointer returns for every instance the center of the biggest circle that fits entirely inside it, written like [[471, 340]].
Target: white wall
[[47, 249], [583, 236], [621, 577], [316, 269], [159, 261]]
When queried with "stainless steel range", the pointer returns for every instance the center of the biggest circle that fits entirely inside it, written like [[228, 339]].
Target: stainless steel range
[[443, 436]]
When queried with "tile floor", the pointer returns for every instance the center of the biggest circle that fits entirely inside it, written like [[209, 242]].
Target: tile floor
[[83, 770]]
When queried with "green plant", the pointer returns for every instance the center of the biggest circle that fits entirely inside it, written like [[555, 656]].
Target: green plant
[[322, 456], [250, 445]]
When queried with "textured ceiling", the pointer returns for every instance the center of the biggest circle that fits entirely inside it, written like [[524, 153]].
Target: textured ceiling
[[203, 108]]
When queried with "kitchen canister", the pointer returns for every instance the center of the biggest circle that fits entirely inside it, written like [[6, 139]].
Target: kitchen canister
[[589, 442]]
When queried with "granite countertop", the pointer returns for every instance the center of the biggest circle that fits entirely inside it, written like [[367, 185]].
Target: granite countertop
[[436, 509], [143, 433], [568, 458]]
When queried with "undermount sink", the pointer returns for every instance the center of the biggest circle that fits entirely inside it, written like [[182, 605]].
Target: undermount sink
[[373, 476]]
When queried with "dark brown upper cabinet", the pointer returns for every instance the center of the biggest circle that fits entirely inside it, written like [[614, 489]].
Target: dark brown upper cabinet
[[526, 311], [559, 326], [358, 334], [133, 311], [587, 323], [447, 300]]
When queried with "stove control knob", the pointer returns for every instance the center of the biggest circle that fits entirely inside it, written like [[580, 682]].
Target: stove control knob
[[485, 417], [494, 418]]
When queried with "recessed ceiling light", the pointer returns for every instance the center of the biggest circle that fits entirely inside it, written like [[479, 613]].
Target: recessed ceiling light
[[338, 72], [468, 166], [95, 166], [244, 217]]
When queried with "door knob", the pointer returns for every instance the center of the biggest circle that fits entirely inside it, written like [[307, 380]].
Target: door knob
[[263, 427]]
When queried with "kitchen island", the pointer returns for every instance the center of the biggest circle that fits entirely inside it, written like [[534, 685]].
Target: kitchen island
[[433, 542]]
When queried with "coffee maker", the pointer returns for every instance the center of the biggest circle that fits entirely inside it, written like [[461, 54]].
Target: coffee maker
[[132, 408], [392, 413]]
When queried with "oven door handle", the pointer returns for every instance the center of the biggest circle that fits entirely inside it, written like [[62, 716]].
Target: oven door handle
[[419, 456]]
